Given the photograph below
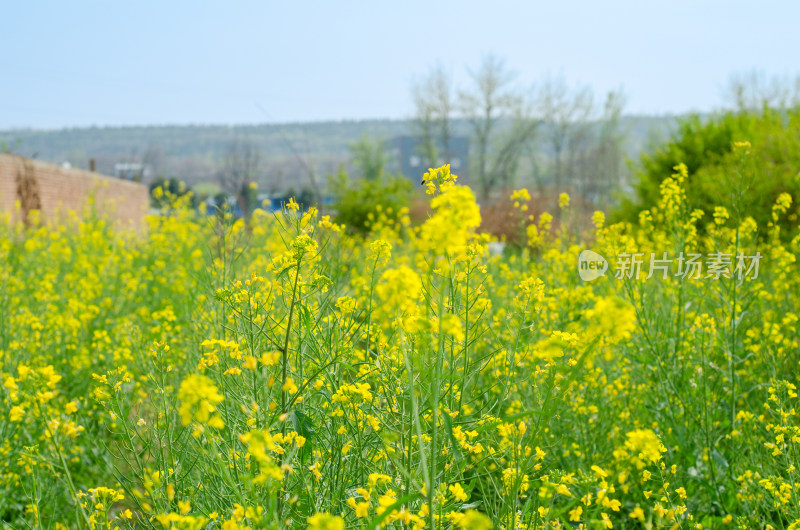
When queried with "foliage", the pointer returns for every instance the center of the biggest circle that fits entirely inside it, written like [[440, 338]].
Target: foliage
[[163, 191], [707, 148], [369, 158], [201, 375], [360, 203]]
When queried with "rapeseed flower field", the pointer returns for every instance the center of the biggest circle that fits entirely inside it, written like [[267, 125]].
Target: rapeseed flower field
[[283, 373]]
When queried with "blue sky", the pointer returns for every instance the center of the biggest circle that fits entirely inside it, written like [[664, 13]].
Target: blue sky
[[171, 62]]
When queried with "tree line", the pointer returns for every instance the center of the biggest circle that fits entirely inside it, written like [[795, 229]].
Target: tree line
[[553, 135]]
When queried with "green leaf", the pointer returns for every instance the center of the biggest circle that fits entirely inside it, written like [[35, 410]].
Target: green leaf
[[304, 426]]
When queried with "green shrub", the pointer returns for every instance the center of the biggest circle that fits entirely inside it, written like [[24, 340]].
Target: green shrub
[[359, 202], [163, 192], [706, 147]]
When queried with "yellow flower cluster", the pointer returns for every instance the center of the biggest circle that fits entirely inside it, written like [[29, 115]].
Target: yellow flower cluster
[[199, 396]]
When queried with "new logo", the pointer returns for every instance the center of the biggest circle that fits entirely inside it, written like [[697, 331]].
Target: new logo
[[591, 265]]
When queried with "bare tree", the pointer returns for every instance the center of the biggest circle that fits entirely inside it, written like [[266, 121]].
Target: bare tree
[[566, 114], [753, 91], [607, 168], [424, 124], [153, 158], [582, 145], [492, 100], [510, 145], [240, 167], [435, 104], [585, 144]]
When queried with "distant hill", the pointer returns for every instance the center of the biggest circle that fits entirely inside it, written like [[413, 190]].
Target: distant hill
[[292, 151]]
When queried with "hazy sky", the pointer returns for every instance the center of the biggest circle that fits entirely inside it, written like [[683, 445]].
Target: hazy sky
[[83, 63]]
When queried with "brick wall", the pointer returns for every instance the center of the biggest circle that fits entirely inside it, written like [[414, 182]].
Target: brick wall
[[53, 190]]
